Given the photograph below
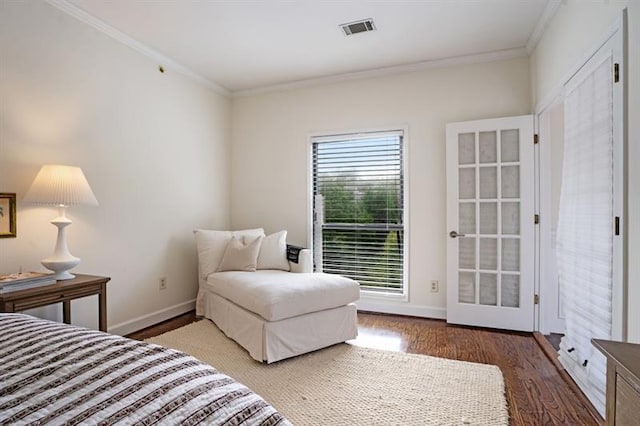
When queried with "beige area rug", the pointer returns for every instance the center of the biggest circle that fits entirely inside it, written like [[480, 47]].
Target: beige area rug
[[350, 385]]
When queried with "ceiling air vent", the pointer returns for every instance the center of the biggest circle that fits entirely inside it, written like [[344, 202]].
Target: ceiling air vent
[[356, 27]]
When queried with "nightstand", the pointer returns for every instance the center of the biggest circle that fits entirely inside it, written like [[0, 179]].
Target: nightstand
[[623, 381], [62, 291]]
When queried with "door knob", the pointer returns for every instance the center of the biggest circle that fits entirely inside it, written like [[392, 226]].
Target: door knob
[[454, 234]]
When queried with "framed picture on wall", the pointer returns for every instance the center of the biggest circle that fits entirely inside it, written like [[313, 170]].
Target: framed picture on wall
[[7, 215]]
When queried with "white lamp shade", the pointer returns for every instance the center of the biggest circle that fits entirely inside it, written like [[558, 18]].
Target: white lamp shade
[[60, 185]]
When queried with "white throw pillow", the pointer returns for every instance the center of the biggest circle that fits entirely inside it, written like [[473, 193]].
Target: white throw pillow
[[241, 255], [273, 252], [211, 246]]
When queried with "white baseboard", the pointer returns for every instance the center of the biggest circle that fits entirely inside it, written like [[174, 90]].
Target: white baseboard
[[153, 318], [148, 320], [401, 309]]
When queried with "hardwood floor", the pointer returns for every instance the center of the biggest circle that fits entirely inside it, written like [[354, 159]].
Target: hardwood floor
[[536, 392], [164, 327]]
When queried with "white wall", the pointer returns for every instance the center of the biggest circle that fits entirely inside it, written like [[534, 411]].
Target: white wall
[[154, 147], [572, 34], [270, 141], [577, 25]]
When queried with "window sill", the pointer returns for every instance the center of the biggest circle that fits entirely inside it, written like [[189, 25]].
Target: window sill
[[382, 295]]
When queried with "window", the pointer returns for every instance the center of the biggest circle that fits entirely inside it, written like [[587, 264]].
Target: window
[[358, 208]]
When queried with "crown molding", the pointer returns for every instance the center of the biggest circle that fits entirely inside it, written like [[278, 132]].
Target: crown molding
[[123, 38], [542, 24], [380, 72], [83, 16]]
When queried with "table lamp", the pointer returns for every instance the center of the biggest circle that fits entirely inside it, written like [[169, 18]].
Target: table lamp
[[61, 186]]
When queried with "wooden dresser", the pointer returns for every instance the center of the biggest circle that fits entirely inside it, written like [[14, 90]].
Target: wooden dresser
[[623, 381]]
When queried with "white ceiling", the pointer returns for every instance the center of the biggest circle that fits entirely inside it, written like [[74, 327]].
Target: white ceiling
[[243, 45]]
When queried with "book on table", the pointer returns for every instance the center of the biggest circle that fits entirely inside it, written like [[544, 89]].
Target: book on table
[[23, 280]]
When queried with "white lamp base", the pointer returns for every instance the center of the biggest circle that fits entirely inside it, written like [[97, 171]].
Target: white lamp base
[[61, 268], [61, 261]]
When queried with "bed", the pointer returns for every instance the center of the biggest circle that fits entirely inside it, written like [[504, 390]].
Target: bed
[[53, 373]]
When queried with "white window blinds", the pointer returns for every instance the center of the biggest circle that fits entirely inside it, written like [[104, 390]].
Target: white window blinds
[[585, 227], [358, 201]]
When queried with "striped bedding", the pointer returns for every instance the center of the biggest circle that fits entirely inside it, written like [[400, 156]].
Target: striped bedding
[[52, 373]]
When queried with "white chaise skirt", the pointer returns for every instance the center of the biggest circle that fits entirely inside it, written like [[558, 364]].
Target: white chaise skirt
[[272, 341]]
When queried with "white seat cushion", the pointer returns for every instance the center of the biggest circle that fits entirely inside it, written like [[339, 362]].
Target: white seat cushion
[[275, 295]]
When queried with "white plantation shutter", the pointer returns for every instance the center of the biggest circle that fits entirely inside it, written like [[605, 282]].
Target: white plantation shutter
[[358, 187], [585, 227]]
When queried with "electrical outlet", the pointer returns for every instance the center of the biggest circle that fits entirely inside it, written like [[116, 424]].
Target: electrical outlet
[[435, 286], [163, 283]]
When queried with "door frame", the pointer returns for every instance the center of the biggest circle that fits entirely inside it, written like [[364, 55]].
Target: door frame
[[549, 317]]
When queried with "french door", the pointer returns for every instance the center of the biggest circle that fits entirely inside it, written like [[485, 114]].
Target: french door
[[490, 223]]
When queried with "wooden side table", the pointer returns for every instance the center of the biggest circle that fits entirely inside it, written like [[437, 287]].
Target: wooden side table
[[62, 291], [623, 381]]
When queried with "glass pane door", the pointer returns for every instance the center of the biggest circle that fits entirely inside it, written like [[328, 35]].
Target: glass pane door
[[485, 161], [489, 219]]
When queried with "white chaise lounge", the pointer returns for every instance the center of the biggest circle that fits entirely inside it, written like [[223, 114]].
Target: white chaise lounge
[[279, 310]]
